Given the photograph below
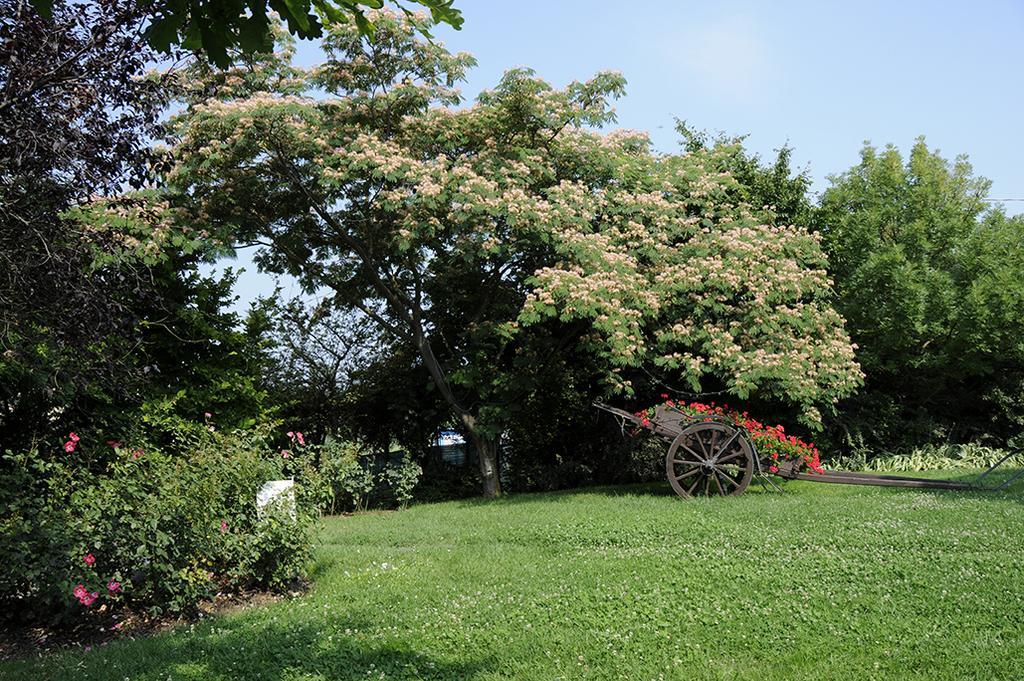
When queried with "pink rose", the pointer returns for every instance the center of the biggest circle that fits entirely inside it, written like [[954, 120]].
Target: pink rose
[[298, 436], [223, 526], [80, 591], [291, 435], [285, 453], [88, 599], [89, 559], [116, 444], [113, 587], [137, 454], [207, 415], [73, 437], [69, 446]]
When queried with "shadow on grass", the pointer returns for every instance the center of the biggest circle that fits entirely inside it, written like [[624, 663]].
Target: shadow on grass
[[662, 489], [248, 647], [636, 489]]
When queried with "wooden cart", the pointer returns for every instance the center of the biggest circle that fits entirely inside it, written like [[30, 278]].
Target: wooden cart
[[713, 456]]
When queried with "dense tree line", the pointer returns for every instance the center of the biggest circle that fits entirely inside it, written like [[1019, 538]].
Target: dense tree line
[[492, 268]]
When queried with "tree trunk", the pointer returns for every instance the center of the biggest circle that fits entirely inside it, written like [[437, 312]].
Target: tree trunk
[[487, 456]]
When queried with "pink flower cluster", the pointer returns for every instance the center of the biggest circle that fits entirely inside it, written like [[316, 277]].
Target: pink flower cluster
[[296, 436], [72, 442], [84, 596]]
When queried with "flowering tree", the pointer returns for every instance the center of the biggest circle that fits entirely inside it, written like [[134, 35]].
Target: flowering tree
[[494, 238]]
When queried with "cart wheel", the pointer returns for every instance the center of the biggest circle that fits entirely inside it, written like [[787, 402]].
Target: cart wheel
[[710, 458]]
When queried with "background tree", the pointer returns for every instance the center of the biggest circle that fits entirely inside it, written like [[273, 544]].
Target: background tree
[[773, 183], [314, 352], [930, 284], [490, 240]]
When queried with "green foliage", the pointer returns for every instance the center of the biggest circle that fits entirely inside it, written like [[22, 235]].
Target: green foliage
[[348, 471], [773, 184], [402, 478], [146, 527], [932, 287], [345, 467], [944, 457], [620, 583], [222, 29]]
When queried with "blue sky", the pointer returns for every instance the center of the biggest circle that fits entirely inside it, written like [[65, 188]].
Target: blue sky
[[820, 76]]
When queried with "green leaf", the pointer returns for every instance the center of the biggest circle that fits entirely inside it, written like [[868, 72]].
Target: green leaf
[[163, 32], [44, 7], [254, 34], [366, 27]]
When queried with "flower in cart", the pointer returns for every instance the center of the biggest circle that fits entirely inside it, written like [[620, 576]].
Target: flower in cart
[[771, 441]]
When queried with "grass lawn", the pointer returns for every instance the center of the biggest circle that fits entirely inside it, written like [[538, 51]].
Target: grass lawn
[[822, 582]]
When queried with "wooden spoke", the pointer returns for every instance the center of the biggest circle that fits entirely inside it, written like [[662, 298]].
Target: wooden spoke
[[700, 441], [727, 479], [696, 456], [692, 471], [689, 492], [725, 447], [731, 457]]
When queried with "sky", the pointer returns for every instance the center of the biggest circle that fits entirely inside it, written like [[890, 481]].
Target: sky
[[822, 77]]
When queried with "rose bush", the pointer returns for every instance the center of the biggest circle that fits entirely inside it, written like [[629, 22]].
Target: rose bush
[[97, 527]]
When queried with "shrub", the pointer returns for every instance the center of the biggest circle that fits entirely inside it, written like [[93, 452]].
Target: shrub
[[344, 467], [402, 478], [135, 526]]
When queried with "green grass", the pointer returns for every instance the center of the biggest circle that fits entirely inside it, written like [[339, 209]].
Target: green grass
[[822, 582]]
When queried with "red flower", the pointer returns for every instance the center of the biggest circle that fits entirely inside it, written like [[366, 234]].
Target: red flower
[[223, 526], [73, 437], [113, 587], [80, 591], [285, 453], [89, 598], [664, 396], [773, 468], [69, 446], [137, 454], [89, 559]]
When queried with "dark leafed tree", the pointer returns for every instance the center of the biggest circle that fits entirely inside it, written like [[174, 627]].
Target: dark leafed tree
[[75, 117], [96, 318]]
